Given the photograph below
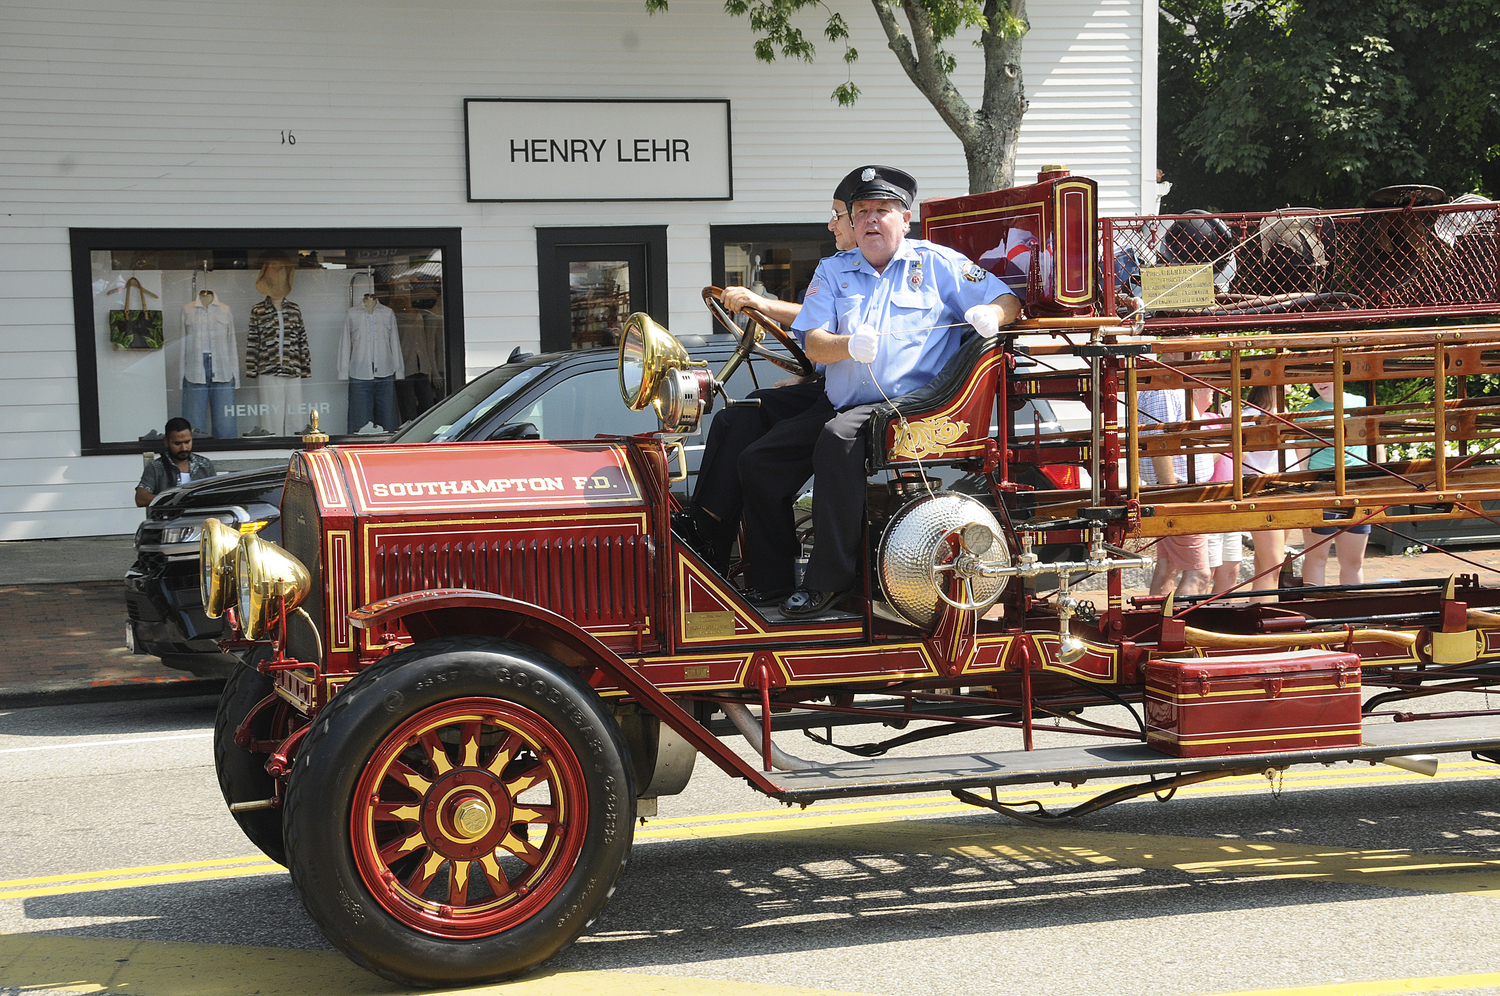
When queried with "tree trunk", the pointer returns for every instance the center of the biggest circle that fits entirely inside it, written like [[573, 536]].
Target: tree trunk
[[991, 150], [989, 134]]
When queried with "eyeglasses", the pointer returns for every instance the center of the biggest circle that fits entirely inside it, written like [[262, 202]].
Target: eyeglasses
[[838, 214]]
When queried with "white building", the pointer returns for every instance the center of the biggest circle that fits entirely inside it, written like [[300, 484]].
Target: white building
[[180, 141]]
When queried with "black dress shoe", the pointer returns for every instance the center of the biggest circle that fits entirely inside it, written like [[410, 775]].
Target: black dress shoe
[[764, 599], [809, 603], [716, 538]]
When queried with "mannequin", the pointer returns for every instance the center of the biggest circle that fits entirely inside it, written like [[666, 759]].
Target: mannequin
[[278, 355], [210, 364], [370, 360], [422, 351]]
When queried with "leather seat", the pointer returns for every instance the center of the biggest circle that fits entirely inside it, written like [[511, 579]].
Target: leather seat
[[947, 421]]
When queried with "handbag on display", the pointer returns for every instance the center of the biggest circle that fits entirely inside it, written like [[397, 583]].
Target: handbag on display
[[134, 329]]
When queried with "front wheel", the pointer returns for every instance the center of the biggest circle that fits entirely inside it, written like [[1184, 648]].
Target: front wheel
[[460, 812]]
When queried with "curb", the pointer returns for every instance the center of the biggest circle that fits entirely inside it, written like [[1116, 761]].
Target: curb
[[110, 691]]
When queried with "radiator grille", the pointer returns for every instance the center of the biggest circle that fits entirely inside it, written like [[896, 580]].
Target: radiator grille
[[301, 536], [594, 580]]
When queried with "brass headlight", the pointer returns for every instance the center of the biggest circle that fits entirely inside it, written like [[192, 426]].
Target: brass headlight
[[647, 352], [216, 567], [266, 578]]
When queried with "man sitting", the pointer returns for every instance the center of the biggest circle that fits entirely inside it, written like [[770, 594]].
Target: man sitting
[[718, 498], [884, 318]]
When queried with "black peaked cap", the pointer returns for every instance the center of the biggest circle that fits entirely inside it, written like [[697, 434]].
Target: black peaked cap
[[878, 183]]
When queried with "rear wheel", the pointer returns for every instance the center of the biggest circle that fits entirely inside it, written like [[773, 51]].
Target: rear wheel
[[460, 812]]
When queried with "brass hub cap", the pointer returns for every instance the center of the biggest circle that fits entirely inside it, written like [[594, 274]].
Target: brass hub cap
[[471, 818]]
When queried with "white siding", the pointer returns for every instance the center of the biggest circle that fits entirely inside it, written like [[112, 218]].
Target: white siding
[[168, 113]]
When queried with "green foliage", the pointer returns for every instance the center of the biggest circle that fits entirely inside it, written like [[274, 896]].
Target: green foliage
[[1319, 102], [772, 22]]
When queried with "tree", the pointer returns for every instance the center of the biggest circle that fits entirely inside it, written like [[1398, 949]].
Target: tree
[[1319, 102], [916, 31]]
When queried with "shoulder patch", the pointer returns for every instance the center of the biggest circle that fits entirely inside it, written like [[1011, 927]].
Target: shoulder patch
[[974, 272], [812, 287]]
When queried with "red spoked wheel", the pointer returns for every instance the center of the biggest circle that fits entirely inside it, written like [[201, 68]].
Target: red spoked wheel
[[469, 817], [459, 812]]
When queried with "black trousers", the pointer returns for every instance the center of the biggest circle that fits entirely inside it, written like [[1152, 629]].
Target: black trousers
[[830, 445], [718, 490]]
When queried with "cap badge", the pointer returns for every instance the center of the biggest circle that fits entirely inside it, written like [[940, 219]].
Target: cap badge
[[867, 175]]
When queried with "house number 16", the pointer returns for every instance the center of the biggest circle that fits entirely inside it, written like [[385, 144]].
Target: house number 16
[[287, 138]]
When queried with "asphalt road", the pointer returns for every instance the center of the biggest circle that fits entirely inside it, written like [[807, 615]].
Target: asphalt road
[[120, 871]]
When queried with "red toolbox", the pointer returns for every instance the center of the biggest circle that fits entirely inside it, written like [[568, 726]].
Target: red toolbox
[[1253, 703]]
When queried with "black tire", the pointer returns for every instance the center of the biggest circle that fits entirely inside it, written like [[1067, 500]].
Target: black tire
[[242, 773], [377, 797]]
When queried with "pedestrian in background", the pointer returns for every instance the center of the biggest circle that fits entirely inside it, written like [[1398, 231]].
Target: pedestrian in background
[[1352, 541], [176, 466], [1270, 544]]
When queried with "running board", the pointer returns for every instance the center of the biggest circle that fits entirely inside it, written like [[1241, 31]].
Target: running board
[[890, 776]]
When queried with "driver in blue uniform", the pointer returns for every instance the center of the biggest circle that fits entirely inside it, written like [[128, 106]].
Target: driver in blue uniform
[[718, 497], [884, 319]]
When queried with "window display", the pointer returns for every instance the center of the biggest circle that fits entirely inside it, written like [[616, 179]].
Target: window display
[[246, 343], [774, 261]]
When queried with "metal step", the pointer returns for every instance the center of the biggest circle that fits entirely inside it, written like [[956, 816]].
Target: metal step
[[889, 776]]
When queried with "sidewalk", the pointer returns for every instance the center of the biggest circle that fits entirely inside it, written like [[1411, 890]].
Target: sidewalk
[[63, 609]]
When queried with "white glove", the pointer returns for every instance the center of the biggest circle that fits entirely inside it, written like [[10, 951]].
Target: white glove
[[864, 344], [982, 317]]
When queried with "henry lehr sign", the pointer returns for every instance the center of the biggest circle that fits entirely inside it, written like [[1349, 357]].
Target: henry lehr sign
[[605, 150]]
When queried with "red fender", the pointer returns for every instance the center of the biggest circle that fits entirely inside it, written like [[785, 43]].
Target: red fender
[[444, 611]]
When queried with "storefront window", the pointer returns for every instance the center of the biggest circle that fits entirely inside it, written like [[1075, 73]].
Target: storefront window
[[589, 280], [776, 261], [599, 300], [246, 343]]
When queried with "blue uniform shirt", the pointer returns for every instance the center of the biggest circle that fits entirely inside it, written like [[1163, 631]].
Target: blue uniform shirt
[[917, 305]]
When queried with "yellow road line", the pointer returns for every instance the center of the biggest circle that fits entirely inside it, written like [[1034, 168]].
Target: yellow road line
[[99, 964], [264, 868], [1360, 773], [1382, 987], [139, 870], [879, 820], [1058, 797]]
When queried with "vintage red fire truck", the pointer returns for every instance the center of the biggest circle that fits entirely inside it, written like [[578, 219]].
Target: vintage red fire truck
[[473, 666]]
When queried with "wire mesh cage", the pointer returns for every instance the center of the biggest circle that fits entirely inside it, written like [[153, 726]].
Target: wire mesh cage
[[1302, 264]]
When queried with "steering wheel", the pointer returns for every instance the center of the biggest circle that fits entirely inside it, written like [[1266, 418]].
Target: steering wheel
[[751, 336]]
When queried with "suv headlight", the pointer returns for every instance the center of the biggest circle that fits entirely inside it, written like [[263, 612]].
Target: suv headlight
[[192, 532], [181, 534]]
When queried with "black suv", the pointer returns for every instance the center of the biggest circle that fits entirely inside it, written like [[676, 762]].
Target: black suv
[[573, 395]]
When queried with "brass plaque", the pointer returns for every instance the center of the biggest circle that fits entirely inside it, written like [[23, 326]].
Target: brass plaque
[[696, 672], [708, 625], [1456, 648], [1170, 288]]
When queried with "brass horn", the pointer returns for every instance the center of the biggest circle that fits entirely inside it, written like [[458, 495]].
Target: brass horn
[[647, 352], [266, 578], [216, 567]]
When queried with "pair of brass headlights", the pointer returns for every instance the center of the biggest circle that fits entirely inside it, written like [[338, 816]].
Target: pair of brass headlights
[[253, 573]]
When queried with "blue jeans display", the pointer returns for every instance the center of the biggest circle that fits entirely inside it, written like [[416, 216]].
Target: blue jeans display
[[373, 400], [212, 400]]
